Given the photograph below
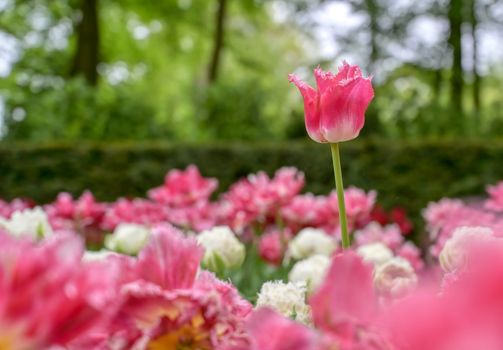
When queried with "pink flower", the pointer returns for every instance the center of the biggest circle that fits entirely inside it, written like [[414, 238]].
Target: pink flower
[[183, 188], [467, 315], [230, 296], [270, 331], [303, 211], [199, 216], [88, 209], [359, 205], [259, 198], [495, 202], [272, 246], [438, 213], [444, 216], [65, 206], [174, 319], [390, 235], [164, 305], [335, 112], [84, 215], [137, 211], [411, 253], [286, 184], [6, 208], [234, 215], [345, 306], [47, 297], [208, 315], [169, 259]]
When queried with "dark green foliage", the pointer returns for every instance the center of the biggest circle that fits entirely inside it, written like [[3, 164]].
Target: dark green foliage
[[408, 174]]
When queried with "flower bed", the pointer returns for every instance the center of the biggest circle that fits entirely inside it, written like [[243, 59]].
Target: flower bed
[[140, 284], [262, 267]]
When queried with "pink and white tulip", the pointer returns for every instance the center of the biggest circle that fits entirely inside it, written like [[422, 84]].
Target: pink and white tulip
[[335, 111]]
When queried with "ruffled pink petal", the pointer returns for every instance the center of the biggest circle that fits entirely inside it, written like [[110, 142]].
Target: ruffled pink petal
[[47, 297], [347, 73], [206, 281], [311, 108], [170, 259], [324, 80], [343, 108], [270, 331], [346, 298]]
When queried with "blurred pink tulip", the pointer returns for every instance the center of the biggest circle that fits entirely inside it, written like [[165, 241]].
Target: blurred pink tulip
[[47, 297], [335, 112], [495, 202], [183, 188], [467, 315], [273, 244], [346, 300], [169, 260], [270, 331]]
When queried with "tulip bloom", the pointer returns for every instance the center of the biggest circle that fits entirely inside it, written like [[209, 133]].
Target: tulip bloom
[[335, 112]]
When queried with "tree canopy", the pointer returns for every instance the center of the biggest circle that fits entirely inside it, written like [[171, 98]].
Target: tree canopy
[[204, 70]]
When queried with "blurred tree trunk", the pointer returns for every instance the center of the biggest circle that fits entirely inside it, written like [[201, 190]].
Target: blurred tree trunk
[[476, 76], [372, 11], [218, 41], [437, 86], [455, 17], [86, 59]]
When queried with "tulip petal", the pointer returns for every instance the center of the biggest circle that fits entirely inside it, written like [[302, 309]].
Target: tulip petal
[[347, 74], [324, 80], [270, 331], [311, 108], [346, 297], [343, 107], [170, 260]]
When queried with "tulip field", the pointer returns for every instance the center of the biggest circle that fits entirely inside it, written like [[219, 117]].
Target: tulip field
[[261, 265]]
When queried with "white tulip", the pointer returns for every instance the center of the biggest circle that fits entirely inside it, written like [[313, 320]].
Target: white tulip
[[375, 253], [222, 249], [395, 278], [311, 271], [311, 241], [28, 222], [288, 299], [453, 254], [128, 238]]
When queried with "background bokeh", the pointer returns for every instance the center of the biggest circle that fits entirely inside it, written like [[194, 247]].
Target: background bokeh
[[199, 70]]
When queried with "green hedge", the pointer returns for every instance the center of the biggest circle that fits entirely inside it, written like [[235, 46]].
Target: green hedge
[[408, 174]]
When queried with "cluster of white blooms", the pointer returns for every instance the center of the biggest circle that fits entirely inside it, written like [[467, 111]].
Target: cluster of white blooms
[[453, 254], [375, 253], [395, 278], [222, 249], [29, 222], [288, 299], [311, 241], [311, 271], [128, 238]]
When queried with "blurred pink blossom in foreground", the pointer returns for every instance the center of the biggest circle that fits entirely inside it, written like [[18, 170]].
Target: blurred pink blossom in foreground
[[49, 297]]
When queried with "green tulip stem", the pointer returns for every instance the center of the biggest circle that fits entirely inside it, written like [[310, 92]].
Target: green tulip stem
[[336, 161]]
